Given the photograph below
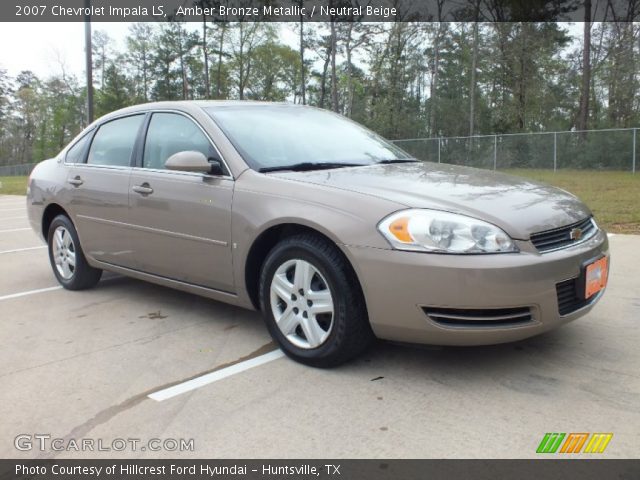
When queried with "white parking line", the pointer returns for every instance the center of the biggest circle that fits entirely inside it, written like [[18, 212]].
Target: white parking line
[[15, 250], [208, 378], [14, 230], [14, 218], [29, 292], [11, 209]]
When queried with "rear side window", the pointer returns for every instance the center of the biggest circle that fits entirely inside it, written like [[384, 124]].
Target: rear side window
[[171, 133], [76, 153], [113, 143]]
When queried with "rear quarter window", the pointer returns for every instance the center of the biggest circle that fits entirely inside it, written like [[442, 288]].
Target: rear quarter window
[[77, 152]]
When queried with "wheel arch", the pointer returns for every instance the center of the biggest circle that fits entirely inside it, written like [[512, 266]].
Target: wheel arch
[[50, 212], [263, 244]]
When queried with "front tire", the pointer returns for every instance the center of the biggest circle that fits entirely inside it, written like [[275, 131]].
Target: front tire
[[312, 302], [67, 258]]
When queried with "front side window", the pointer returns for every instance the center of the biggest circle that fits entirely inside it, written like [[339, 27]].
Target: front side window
[[170, 133], [113, 142]]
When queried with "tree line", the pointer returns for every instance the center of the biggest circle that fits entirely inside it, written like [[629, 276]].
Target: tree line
[[403, 80]]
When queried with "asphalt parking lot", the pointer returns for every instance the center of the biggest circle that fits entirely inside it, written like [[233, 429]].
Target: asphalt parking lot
[[82, 364]]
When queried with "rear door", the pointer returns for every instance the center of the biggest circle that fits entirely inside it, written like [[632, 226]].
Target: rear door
[[99, 190], [181, 221]]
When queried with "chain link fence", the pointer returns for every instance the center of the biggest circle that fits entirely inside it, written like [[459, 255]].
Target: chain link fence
[[16, 170], [611, 149]]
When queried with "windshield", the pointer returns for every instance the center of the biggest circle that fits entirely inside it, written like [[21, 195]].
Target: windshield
[[270, 137]]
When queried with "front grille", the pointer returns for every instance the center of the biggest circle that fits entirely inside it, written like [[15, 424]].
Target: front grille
[[479, 318], [568, 299], [561, 237]]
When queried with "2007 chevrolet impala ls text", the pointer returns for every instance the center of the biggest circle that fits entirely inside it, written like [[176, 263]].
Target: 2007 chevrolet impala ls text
[[335, 234]]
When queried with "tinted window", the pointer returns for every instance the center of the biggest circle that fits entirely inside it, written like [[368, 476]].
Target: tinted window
[[76, 153], [113, 143], [171, 133], [269, 136]]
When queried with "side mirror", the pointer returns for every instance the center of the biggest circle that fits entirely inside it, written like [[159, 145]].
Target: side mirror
[[192, 161]]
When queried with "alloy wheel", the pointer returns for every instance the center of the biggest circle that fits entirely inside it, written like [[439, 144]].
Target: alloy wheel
[[302, 303], [64, 253]]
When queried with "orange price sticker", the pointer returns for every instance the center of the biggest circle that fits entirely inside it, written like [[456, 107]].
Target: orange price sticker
[[596, 277]]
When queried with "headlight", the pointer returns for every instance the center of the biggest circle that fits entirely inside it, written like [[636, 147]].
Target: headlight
[[443, 232]]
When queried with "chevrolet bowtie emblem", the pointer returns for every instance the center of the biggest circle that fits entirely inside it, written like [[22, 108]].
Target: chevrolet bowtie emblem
[[575, 234]]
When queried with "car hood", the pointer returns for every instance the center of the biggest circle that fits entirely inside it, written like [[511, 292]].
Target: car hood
[[517, 205]]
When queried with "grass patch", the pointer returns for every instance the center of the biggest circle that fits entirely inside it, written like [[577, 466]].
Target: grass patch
[[613, 197], [13, 185]]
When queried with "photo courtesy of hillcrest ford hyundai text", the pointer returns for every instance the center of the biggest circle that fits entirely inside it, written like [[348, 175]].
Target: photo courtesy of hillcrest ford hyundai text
[[336, 235]]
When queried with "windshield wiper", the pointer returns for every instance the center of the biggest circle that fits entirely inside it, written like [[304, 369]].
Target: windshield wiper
[[308, 166], [400, 160]]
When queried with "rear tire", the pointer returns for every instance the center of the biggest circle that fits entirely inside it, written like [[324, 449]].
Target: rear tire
[[312, 302], [67, 258]]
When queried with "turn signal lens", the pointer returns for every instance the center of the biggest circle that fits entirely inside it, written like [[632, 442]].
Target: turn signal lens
[[400, 229]]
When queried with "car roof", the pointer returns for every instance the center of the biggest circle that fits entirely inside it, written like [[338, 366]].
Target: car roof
[[190, 106], [227, 103]]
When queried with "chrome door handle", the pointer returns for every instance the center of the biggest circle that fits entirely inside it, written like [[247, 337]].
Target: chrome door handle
[[76, 182], [143, 189]]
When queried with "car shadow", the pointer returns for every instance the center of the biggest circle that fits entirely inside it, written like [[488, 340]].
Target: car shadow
[[571, 358], [516, 363]]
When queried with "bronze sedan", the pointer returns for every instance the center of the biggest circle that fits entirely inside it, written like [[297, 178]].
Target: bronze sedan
[[335, 234]]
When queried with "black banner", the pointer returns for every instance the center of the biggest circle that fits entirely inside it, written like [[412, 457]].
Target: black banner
[[315, 10], [538, 469]]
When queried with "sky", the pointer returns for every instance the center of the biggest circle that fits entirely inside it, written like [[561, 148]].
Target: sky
[[47, 48]]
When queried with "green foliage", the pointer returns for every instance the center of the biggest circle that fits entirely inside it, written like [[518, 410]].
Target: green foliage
[[115, 92], [274, 74], [172, 54], [138, 58], [402, 80], [5, 108]]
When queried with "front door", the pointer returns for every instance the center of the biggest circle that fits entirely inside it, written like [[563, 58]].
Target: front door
[[180, 221]]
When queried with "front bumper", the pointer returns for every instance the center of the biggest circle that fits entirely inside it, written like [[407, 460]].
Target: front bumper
[[399, 287]]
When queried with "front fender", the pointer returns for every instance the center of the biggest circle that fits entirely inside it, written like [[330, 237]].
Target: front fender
[[261, 202]]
